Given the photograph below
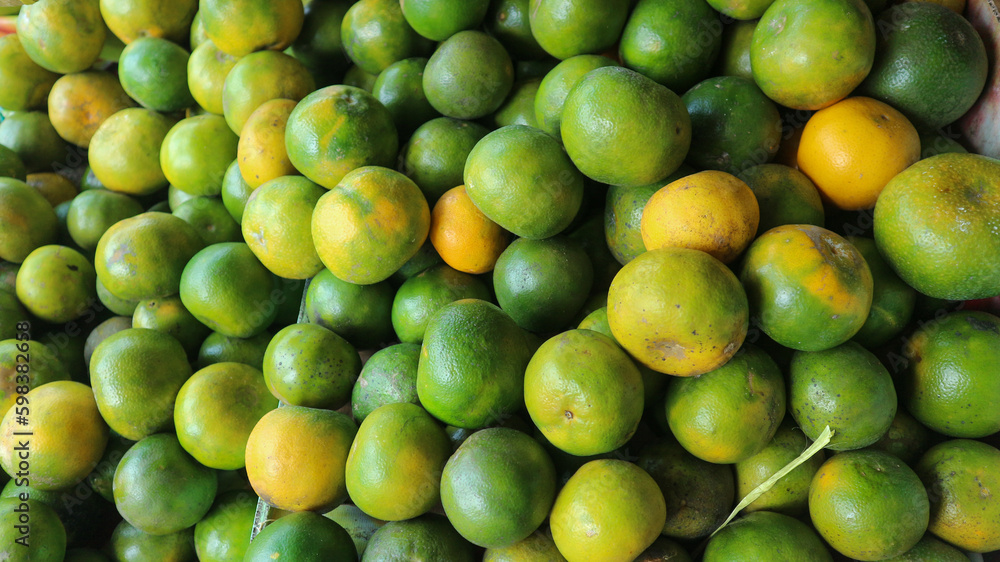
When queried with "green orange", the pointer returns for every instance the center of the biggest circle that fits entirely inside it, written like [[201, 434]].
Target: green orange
[[361, 314], [428, 537], [207, 69], [130, 21], [277, 223], [196, 152], [375, 34], [168, 315], [434, 157], [26, 83], [62, 36], [45, 538], [784, 196], [210, 218], [389, 376], [37, 143], [153, 71], [93, 212], [240, 28], [400, 89], [790, 494], [734, 55], [56, 283], [468, 76], [421, 296], [768, 537], [893, 300], [509, 21], [127, 540], [222, 534], [440, 19], [125, 151], [557, 84], [320, 44], [218, 348], [308, 365], [235, 191], [565, 28], [302, 536], [260, 77]]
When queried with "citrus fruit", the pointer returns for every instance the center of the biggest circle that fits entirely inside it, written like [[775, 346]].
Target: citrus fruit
[[434, 157], [222, 534], [557, 84], [440, 19], [674, 42], [471, 369], [123, 307], [618, 143], [375, 34], [930, 63], [858, 408], [215, 411], [784, 196], [218, 348], [848, 173], [520, 178], [11, 165], [244, 26], [153, 72], [468, 76], [730, 413], [892, 299], [43, 541], [394, 467], [361, 314], [207, 69], [388, 377], [463, 236], [960, 476], [142, 257], [62, 36], [664, 549], [623, 215], [229, 290], [589, 235], [320, 45], [56, 283], [168, 315], [930, 548], [906, 438], [519, 107], [125, 151], [370, 225], [67, 439], [808, 55], [421, 296], [128, 543], [583, 393], [509, 22], [337, 129], [428, 537], [498, 487], [538, 546], [711, 211], [308, 365], [80, 103], [948, 383], [160, 489], [766, 536], [235, 191], [304, 536], [296, 458], [698, 494], [31, 135], [651, 306], [196, 153], [741, 9], [130, 21], [733, 124], [358, 78], [400, 89], [911, 234], [26, 84], [868, 505], [277, 224], [55, 188], [565, 28], [260, 77], [790, 494], [28, 221], [608, 510], [734, 54], [102, 331], [209, 217], [808, 287], [425, 258], [933, 143]]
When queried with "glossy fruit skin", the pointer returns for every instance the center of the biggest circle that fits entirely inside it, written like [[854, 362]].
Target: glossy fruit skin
[[198, 171], [566, 28], [153, 71], [124, 152], [27, 84], [790, 494], [62, 36], [428, 537], [768, 537], [47, 544], [468, 76], [388, 377], [240, 28], [784, 196], [304, 536], [557, 84], [28, 221], [375, 34], [309, 365]]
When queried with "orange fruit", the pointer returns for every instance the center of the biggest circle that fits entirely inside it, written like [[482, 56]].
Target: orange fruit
[[734, 55], [217, 348], [63, 36], [906, 438], [26, 84], [126, 541], [168, 315], [44, 366], [741, 9], [337, 129], [633, 149], [911, 232], [623, 209], [784, 196], [400, 89], [557, 84], [960, 476], [509, 22], [422, 295], [222, 534], [153, 71], [370, 225], [235, 191], [947, 382], [130, 21], [608, 510], [56, 284], [28, 221], [440, 19], [244, 26], [566, 28], [538, 546], [395, 463], [388, 377], [808, 55], [142, 257], [207, 70], [729, 414], [651, 311], [434, 157], [848, 173], [768, 537], [893, 300], [309, 365], [304, 536], [519, 107], [790, 494], [46, 539], [375, 34], [56, 189], [296, 458], [520, 178], [463, 236], [209, 217], [428, 537], [583, 393], [261, 150], [671, 41], [468, 76], [276, 225], [930, 548], [320, 45], [808, 287], [711, 211], [196, 153], [125, 151], [31, 135], [11, 165], [160, 489], [260, 77], [361, 314], [868, 505], [80, 103]]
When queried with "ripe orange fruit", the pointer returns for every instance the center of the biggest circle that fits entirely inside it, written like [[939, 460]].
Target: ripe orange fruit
[[260, 77], [261, 151], [168, 19], [711, 211], [125, 151], [244, 26], [808, 287], [808, 55], [852, 148], [63, 36], [80, 103], [463, 236], [26, 84]]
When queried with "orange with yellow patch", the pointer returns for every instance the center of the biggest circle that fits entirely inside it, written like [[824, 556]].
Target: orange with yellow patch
[[79, 103]]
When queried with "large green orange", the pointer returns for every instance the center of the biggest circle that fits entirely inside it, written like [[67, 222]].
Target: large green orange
[[129, 543], [388, 377], [790, 494], [153, 72], [914, 226], [56, 284], [421, 296], [565, 28], [434, 157], [678, 311], [222, 534], [63, 36], [260, 77], [428, 537], [27, 221], [468, 76], [608, 133], [303, 536], [26, 85], [766, 537], [808, 287], [375, 34], [45, 537], [557, 84], [337, 129], [196, 152], [125, 151], [240, 28], [308, 365], [361, 314], [810, 54], [277, 222]]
